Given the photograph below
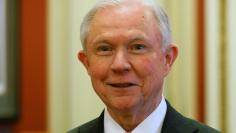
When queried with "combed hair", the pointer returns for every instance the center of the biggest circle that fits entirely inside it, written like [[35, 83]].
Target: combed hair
[[159, 13]]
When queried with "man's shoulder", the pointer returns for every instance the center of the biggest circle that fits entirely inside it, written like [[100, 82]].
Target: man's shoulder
[[200, 127], [84, 128], [93, 126], [174, 121]]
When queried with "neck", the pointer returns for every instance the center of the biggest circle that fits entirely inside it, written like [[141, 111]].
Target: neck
[[130, 119]]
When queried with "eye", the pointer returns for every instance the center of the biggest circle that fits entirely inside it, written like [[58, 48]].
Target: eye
[[138, 48], [104, 50]]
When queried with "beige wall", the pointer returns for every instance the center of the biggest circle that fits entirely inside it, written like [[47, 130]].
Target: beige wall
[[58, 78], [212, 63], [71, 98], [181, 83], [231, 22]]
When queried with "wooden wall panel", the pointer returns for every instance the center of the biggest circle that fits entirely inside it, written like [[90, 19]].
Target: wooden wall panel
[[201, 59], [33, 79]]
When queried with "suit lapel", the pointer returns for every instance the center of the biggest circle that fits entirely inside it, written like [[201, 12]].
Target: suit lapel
[[98, 125], [174, 122]]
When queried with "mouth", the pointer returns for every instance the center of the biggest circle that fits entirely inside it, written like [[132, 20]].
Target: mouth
[[122, 85]]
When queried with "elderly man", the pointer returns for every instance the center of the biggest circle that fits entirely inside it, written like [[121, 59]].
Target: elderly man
[[127, 52]]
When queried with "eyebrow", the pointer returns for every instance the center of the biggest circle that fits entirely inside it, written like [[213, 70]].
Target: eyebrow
[[137, 38], [105, 41], [129, 39]]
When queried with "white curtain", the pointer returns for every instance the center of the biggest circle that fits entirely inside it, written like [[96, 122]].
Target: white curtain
[[221, 64]]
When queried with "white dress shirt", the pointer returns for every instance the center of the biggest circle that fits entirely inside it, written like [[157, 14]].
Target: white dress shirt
[[152, 124]]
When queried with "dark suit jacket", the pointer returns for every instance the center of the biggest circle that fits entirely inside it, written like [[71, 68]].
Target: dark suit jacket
[[174, 122]]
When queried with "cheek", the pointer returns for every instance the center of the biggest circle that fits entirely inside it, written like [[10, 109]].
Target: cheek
[[150, 67], [97, 75], [152, 73], [97, 69]]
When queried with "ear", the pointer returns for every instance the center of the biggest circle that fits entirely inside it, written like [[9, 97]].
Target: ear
[[82, 56], [171, 53]]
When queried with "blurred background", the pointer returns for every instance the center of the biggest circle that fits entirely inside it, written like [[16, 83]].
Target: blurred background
[[55, 93]]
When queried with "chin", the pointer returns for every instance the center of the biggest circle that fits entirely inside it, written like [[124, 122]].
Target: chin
[[125, 104]]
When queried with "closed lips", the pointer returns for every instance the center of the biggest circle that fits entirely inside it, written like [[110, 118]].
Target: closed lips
[[121, 85]]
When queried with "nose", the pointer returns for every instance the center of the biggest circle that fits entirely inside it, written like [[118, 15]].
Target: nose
[[120, 63]]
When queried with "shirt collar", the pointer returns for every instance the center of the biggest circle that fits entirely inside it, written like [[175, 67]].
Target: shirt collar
[[152, 124]]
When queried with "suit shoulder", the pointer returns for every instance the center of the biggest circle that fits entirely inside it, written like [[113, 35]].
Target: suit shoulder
[[175, 121], [93, 126], [84, 128], [201, 128]]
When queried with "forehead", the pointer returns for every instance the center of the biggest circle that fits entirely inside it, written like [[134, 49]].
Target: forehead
[[123, 16], [123, 22]]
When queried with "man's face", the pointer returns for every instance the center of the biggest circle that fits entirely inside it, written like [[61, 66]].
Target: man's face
[[125, 58]]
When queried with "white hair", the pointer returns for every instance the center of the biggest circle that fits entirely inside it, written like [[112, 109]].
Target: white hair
[[159, 13]]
